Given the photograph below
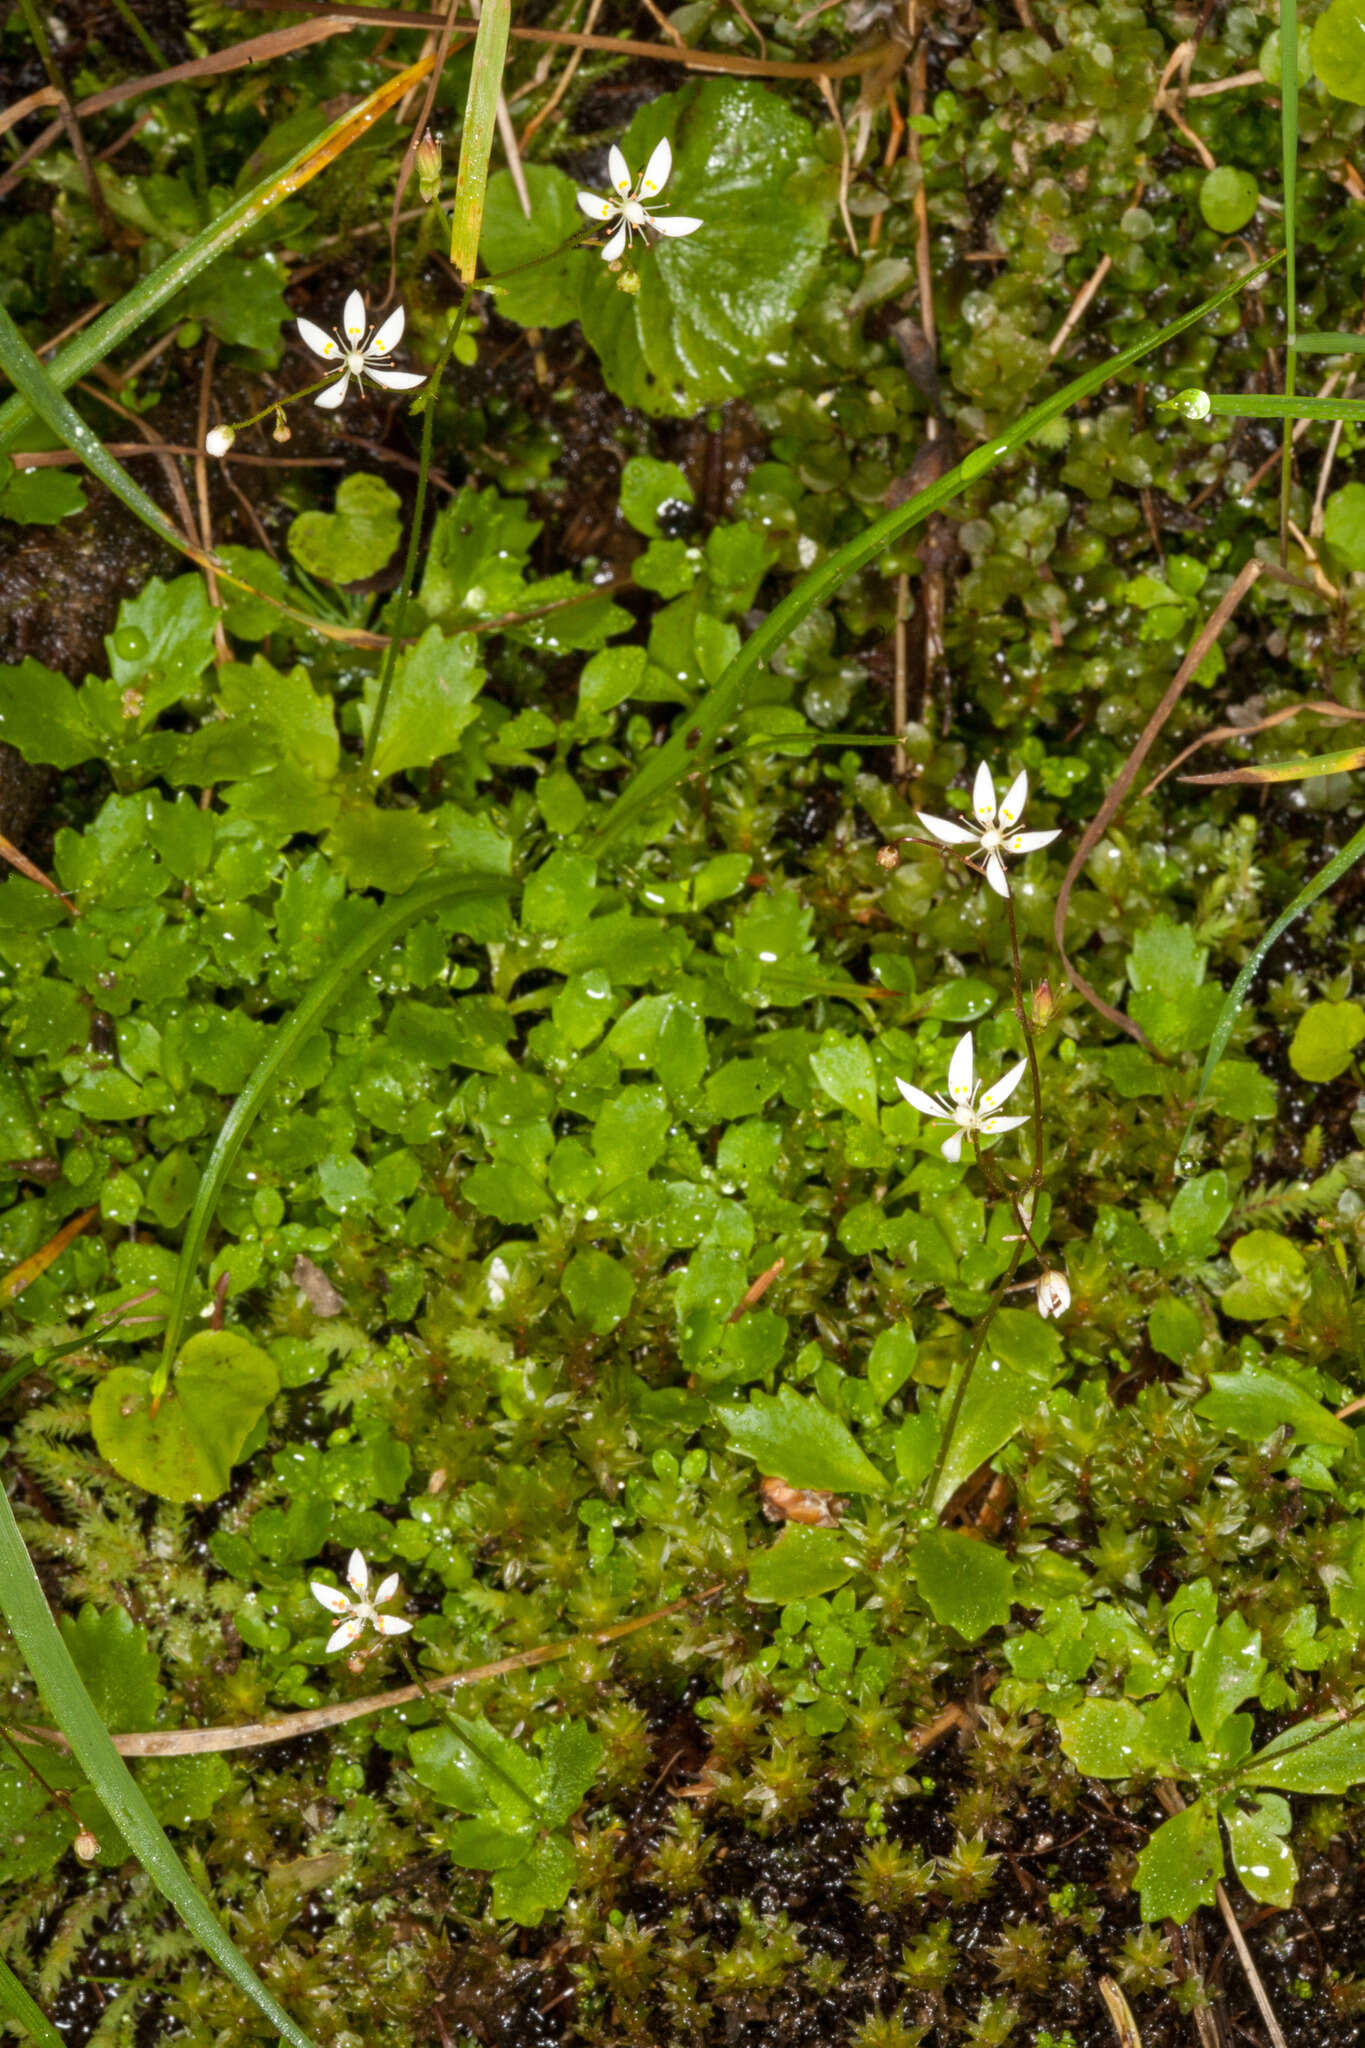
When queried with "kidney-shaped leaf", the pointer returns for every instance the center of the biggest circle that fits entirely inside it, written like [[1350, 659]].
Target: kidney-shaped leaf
[[184, 1447]]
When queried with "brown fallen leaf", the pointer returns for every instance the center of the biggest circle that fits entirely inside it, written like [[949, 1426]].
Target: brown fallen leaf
[[783, 1503]]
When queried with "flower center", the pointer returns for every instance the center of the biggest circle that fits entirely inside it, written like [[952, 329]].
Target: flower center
[[635, 213], [355, 361]]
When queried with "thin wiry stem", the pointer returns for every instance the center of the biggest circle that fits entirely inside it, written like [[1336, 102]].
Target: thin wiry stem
[[1031, 1185]]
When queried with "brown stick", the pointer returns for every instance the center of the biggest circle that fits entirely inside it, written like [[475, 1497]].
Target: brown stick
[[255, 1734], [1108, 810], [756, 1290], [612, 46]]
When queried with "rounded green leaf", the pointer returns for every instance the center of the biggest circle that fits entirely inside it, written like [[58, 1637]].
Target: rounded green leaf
[[598, 1289], [802, 1564], [966, 1583], [711, 306], [647, 487], [357, 539], [1338, 50], [1228, 199], [1325, 1040], [1179, 1869], [185, 1447]]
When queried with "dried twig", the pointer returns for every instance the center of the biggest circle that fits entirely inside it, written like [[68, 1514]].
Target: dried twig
[[563, 82], [1108, 810], [256, 1734]]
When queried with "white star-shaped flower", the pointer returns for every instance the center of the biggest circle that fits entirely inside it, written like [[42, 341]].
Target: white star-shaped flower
[[993, 835], [629, 205], [363, 1609], [973, 1119], [359, 354]]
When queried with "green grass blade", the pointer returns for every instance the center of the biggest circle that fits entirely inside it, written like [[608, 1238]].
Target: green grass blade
[[170, 277], [683, 753], [1325, 878], [38, 389], [1313, 344], [476, 142], [1289, 152], [1235, 405], [289, 1035], [25, 1608], [16, 2002]]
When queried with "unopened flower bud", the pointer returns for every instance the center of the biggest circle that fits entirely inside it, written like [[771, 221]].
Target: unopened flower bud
[[280, 430], [218, 440], [429, 167], [1044, 1005], [86, 1846], [889, 857], [1054, 1295], [627, 281]]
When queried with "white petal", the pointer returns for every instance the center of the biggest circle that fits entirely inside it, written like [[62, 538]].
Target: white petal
[[353, 321], [391, 1624], [983, 795], [1029, 842], [944, 829], [951, 1148], [1016, 796], [394, 380], [917, 1099], [386, 1589], [995, 874], [332, 1598], [657, 170], [1003, 1088], [620, 171], [389, 335], [597, 208], [612, 249], [961, 1070], [335, 394], [674, 224], [342, 1638], [358, 1575], [317, 338], [991, 1126]]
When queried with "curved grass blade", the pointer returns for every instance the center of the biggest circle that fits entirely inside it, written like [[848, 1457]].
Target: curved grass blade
[[16, 2002], [38, 390], [683, 753], [1343, 762], [96, 341], [289, 1035], [476, 142], [1339, 865], [25, 1609]]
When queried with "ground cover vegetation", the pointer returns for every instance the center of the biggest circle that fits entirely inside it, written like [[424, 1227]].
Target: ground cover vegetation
[[681, 1192]]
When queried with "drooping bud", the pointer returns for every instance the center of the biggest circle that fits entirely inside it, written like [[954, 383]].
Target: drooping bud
[[889, 857], [627, 280], [280, 430], [429, 167], [1054, 1295], [86, 1846], [218, 440]]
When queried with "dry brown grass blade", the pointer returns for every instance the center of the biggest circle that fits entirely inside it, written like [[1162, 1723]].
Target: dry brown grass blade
[[731, 65], [1321, 707], [1113, 802], [277, 42], [1125, 2026], [255, 1734], [25, 866]]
